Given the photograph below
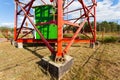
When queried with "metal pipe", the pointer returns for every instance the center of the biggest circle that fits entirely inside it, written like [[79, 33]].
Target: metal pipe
[[75, 35], [24, 7], [68, 4], [95, 3], [15, 21], [60, 32], [30, 5], [27, 33], [43, 2]]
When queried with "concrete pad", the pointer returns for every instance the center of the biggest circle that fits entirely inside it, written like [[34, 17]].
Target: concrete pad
[[56, 70], [20, 45], [16, 44]]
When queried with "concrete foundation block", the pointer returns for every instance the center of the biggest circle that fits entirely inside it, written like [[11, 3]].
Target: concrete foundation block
[[56, 70], [20, 45], [16, 44]]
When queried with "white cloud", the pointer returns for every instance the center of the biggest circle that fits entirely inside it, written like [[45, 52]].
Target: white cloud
[[73, 6], [9, 24], [105, 11], [20, 20], [37, 2]]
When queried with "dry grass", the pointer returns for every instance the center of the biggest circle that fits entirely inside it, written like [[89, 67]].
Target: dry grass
[[1, 36], [108, 37], [101, 63]]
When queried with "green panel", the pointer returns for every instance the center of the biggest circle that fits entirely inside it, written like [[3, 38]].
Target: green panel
[[46, 13]]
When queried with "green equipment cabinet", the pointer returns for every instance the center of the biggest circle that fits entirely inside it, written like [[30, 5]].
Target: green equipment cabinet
[[45, 13]]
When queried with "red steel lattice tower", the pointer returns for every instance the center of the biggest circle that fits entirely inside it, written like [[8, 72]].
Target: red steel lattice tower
[[84, 13]]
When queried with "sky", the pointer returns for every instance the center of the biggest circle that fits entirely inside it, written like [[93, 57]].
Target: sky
[[107, 10], [6, 12]]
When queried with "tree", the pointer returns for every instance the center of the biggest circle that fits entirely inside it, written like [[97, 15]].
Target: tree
[[113, 26]]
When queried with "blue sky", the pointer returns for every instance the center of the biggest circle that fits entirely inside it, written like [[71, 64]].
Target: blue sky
[[6, 12], [108, 10], [115, 2]]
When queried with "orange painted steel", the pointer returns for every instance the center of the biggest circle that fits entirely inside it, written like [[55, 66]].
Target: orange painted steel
[[60, 32], [62, 9], [64, 40]]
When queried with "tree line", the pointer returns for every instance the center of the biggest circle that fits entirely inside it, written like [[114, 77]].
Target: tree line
[[101, 26], [105, 26], [5, 28]]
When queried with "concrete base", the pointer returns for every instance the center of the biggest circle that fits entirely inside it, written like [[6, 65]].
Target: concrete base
[[20, 45], [56, 70]]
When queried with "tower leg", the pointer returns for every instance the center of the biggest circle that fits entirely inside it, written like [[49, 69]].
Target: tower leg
[[92, 45]]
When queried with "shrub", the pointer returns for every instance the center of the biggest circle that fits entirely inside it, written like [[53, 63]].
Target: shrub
[[68, 35], [110, 39]]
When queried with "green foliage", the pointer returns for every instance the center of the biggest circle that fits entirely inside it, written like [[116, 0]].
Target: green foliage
[[68, 35], [4, 28], [110, 39], [86, 28], [83, 37], [108, 26], [4, 32], [70, 28], [101, 27]]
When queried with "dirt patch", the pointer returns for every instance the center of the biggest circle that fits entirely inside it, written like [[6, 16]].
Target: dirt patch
[[101, 63]]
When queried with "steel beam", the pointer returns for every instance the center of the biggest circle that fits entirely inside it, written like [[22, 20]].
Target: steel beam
[[88, 11]]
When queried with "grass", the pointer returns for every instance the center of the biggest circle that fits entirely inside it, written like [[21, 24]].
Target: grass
[[68, 35], [110, 39], [1, 36], [106, 38], [101, 63]]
